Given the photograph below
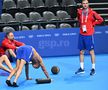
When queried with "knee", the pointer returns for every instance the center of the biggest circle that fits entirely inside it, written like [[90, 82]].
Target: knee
[[81, 52], [9, 51], [92, 52], [16, 68], [0, 65], [4, 57]]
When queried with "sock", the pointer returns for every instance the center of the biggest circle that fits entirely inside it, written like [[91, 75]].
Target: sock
[[93, 66], [82, 65]]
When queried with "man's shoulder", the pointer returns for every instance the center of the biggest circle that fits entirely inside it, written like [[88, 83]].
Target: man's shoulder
[[91, 10], [79, 10], [5, 40]]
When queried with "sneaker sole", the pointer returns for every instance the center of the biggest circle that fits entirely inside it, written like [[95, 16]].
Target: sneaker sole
[[93, 74], [80, 73]]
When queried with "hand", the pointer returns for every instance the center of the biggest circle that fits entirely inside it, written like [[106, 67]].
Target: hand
[[51, 79], [17, 47]]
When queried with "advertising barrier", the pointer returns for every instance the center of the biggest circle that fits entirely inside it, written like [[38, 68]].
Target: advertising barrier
[[60, 42]]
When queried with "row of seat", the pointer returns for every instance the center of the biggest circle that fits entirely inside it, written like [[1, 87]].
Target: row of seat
[[36, 27], [18, 12], [35, 17], [92, 1], [8, 4], [8, 8]]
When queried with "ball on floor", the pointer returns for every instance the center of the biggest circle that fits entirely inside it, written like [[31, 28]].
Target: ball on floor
[[55, 70]]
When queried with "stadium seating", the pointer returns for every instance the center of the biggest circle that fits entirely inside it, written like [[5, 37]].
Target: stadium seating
[[50, 26], [44, 13], [8, 4], [6, 18], [8, 29], [63, 15], [35, 16], [65, 25]]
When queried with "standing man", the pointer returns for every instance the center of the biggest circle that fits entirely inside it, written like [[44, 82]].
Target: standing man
[[87, 19], [9, 45]]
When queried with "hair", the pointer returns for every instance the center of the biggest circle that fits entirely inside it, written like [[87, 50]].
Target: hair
[[7, 33], [36, 62], [85, 0]]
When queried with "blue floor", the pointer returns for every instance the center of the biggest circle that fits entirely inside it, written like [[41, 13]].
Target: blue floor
[[66, 79]]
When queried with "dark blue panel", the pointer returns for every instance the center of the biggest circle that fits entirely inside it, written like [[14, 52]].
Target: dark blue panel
[[51, 42], [101, 39], [61, 42]]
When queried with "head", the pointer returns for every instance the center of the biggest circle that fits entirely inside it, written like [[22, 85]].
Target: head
[[85, 4], [10, 35], [35, 63]]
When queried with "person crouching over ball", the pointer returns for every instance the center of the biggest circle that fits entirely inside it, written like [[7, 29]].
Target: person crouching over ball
[[24, 55]]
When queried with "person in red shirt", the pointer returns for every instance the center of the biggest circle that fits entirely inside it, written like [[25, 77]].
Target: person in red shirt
[[9, 45], [87, 20]]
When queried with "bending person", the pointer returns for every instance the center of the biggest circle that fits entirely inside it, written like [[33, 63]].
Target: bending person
[[24, 55]]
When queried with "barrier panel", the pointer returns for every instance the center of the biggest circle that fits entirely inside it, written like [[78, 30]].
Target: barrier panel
[[61, 42]]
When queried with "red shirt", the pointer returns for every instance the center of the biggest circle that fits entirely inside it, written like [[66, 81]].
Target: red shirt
[[2, 52], [9, 44], [90, 21]]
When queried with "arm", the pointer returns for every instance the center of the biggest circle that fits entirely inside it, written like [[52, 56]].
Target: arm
[[17, 43], [98, 19], [44, 70], [78, 17], [6, 44], [11, 52], [41, 63]]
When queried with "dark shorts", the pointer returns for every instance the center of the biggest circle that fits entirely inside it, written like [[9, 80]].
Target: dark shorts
[[86, 42], [24, 52]]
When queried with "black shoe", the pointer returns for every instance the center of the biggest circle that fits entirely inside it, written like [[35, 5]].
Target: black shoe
[[92, 72], [79, 71], [8, 83], [15, 84]]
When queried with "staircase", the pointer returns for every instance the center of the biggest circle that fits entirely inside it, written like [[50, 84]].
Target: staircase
[[102, 9]]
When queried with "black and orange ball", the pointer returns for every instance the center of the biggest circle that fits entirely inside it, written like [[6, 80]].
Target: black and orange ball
[[55, 70]]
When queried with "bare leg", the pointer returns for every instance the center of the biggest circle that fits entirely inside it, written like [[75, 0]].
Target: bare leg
[[22, 63], [6, 60], [4, 68], [82, 59], [14, 70], [92, 56], [82, 56], [12, 73], [93, 62]]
